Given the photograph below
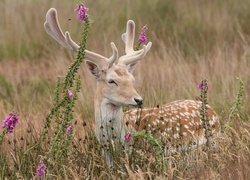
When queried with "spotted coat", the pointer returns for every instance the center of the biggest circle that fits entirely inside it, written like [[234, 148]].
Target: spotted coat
[[177, 123]]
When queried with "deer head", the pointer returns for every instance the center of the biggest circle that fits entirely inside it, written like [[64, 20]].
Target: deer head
[[114, 74], [116, 80]]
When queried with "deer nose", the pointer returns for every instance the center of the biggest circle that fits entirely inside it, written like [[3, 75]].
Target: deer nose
[[139, 101]]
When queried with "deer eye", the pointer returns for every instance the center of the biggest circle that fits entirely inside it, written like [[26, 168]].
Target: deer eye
[[111, 81]]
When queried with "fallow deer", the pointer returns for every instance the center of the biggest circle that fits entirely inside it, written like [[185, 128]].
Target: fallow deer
[[176, 124]]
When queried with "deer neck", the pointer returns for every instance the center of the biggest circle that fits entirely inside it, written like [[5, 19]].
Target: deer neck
[[108, 119]]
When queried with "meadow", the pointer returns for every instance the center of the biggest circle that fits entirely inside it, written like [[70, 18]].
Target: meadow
[[192, 40]]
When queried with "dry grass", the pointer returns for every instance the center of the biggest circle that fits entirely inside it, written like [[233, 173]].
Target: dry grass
[[192, 40]]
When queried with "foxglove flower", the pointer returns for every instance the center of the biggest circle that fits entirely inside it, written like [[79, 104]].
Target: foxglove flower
[[143, 38], [200, 86], [40, 171], [68, 129], [71, 95], [10, 122], [81, 10], [127, 137]]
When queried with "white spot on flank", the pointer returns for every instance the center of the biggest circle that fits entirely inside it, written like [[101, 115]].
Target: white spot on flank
[[163, 133], [184, 134], [178, 116], [186, 126], [174, 118], [193, 114], [176, 135], [211, 122], [168, 129]]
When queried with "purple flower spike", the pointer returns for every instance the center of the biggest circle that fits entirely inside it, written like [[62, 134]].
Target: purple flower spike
[[40, 171], [71, 95], [200, 86], [81, 10], [127, 137], [68, 129], [143, 38], [10, 122]]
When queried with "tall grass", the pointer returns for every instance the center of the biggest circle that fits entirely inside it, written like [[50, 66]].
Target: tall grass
[[192, 40]]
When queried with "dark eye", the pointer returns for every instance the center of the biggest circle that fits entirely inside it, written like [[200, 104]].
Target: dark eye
[[111, 81]]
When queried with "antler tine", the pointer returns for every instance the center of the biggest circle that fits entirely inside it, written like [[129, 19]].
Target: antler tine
[[128, 37], [115, 55], [137, 56], [97, 58], [72, 44]]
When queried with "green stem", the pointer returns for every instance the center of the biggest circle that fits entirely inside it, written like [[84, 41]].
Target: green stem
[[68, 83], [2, 136], [204, 110]]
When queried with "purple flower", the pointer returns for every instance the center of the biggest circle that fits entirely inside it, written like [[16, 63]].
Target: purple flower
[[10, 122], [40, 171], [68, 129], [81, 10], [143, 38], [127, 137], [200, 86], [71, 95]]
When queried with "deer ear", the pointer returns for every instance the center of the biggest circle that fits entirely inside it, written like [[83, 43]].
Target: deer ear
[[132, 66], [93, 69]]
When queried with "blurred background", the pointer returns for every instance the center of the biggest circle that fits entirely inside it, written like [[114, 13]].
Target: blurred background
[[192, 40]]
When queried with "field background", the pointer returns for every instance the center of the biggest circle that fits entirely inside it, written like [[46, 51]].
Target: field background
[[192, 40]]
